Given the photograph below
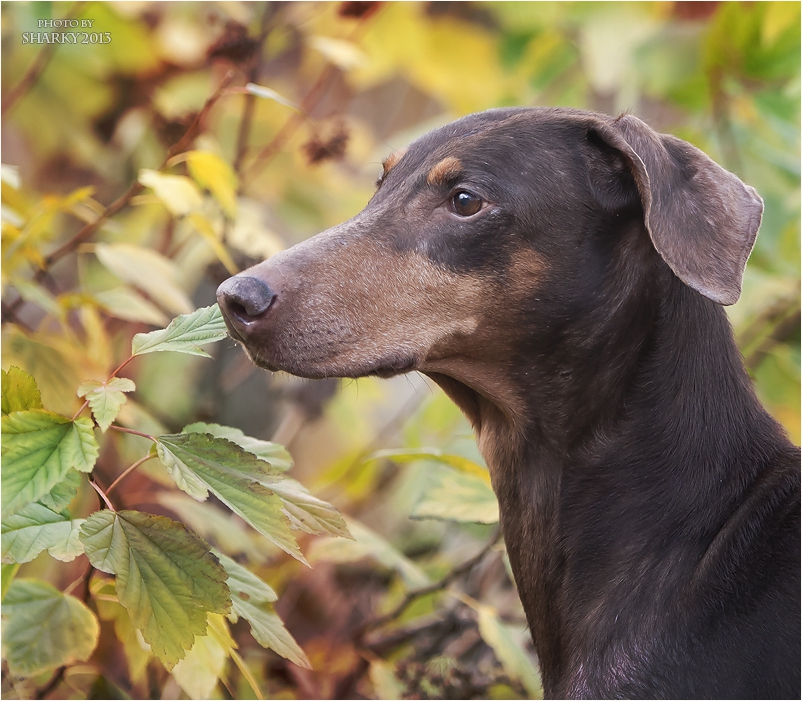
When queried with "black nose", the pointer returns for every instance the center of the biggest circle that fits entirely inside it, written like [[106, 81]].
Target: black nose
[[244, 299]]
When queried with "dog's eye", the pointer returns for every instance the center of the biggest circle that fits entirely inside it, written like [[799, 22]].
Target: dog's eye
[[466, 203]]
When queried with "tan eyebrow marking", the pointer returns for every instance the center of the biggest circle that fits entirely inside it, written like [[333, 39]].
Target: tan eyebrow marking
[[444, 171], [391, 161]]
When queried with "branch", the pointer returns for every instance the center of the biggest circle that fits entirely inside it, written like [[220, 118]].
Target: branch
[[133, 432], [424, 591], [307, 105], [36, 69], [250, 98], [102, 494], [127, 472], [135, 188]]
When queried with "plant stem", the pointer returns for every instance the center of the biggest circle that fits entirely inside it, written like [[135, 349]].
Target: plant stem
[[77, 581], [127, 472], [102, 494], [121, 366], [133, 432], [36, 69], [134, 189], [78, 413]]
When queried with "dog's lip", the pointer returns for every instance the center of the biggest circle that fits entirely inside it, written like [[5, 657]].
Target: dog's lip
[[321, 368], [232, 331], [393, 368]]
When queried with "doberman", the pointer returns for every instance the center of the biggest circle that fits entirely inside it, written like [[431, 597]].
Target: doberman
[[560, 274]]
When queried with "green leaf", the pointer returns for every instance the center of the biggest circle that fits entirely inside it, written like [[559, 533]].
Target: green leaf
[[106, 398], [185, 334], [7, 576], [45, 629], [166, 577], [455, 461], [215, 175], [212, 523], [148, 270], [308, 513], [125, 303], [267, 629], [19, 391], [277, 455], [200, 463], [63, 493], [200, 670], [242, 581], [367, 543], [36, 528], [457, 496], [516, 662], [39, 448], [177, 192]]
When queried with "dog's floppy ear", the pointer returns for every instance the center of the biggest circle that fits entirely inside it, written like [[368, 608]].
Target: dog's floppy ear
[[702, 219]]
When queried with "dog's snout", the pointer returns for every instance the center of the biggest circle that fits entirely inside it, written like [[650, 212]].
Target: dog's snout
[[243, 300]]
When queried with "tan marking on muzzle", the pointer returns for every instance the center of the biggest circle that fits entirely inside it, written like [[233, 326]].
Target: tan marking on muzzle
[[445, 170]]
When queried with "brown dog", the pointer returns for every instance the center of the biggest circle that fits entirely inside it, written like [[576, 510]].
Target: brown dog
[[560, 274]]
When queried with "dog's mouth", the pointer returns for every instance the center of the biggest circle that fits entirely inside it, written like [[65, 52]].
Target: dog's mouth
[[392, 369], [320, 368]]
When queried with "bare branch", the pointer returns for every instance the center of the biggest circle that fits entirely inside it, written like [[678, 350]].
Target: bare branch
[[440, 585]]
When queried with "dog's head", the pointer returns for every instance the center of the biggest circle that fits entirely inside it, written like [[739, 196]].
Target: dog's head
[[502, 224]]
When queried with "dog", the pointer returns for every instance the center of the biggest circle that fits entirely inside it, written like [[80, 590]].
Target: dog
[[561, 275]]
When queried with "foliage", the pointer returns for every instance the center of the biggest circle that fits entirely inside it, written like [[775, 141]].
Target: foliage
[[166, 577], [153, 541]]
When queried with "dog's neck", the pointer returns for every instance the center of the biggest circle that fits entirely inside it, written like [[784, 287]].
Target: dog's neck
[[573, 466]]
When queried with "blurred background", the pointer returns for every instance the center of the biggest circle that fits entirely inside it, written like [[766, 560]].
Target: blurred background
[[340, 85]]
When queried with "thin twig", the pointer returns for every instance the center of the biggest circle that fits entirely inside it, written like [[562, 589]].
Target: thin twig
[[102, 494], [424, 591], [9, 315], [785, 329], [127, 472], [52, 684], [250, 99], [36, 69], [133, 432], [195, 128], [134, 189], [121, 366], [78, 413], [72, 585], [307, 105]]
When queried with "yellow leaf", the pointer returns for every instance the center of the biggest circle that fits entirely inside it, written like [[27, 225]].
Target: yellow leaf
[[97, 343], [215, 175], [124, 303], [203, 665], [178, 193], [148, 270], [342, 54]]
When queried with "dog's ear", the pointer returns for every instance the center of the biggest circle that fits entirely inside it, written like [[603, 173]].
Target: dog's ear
[[702, 219]]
